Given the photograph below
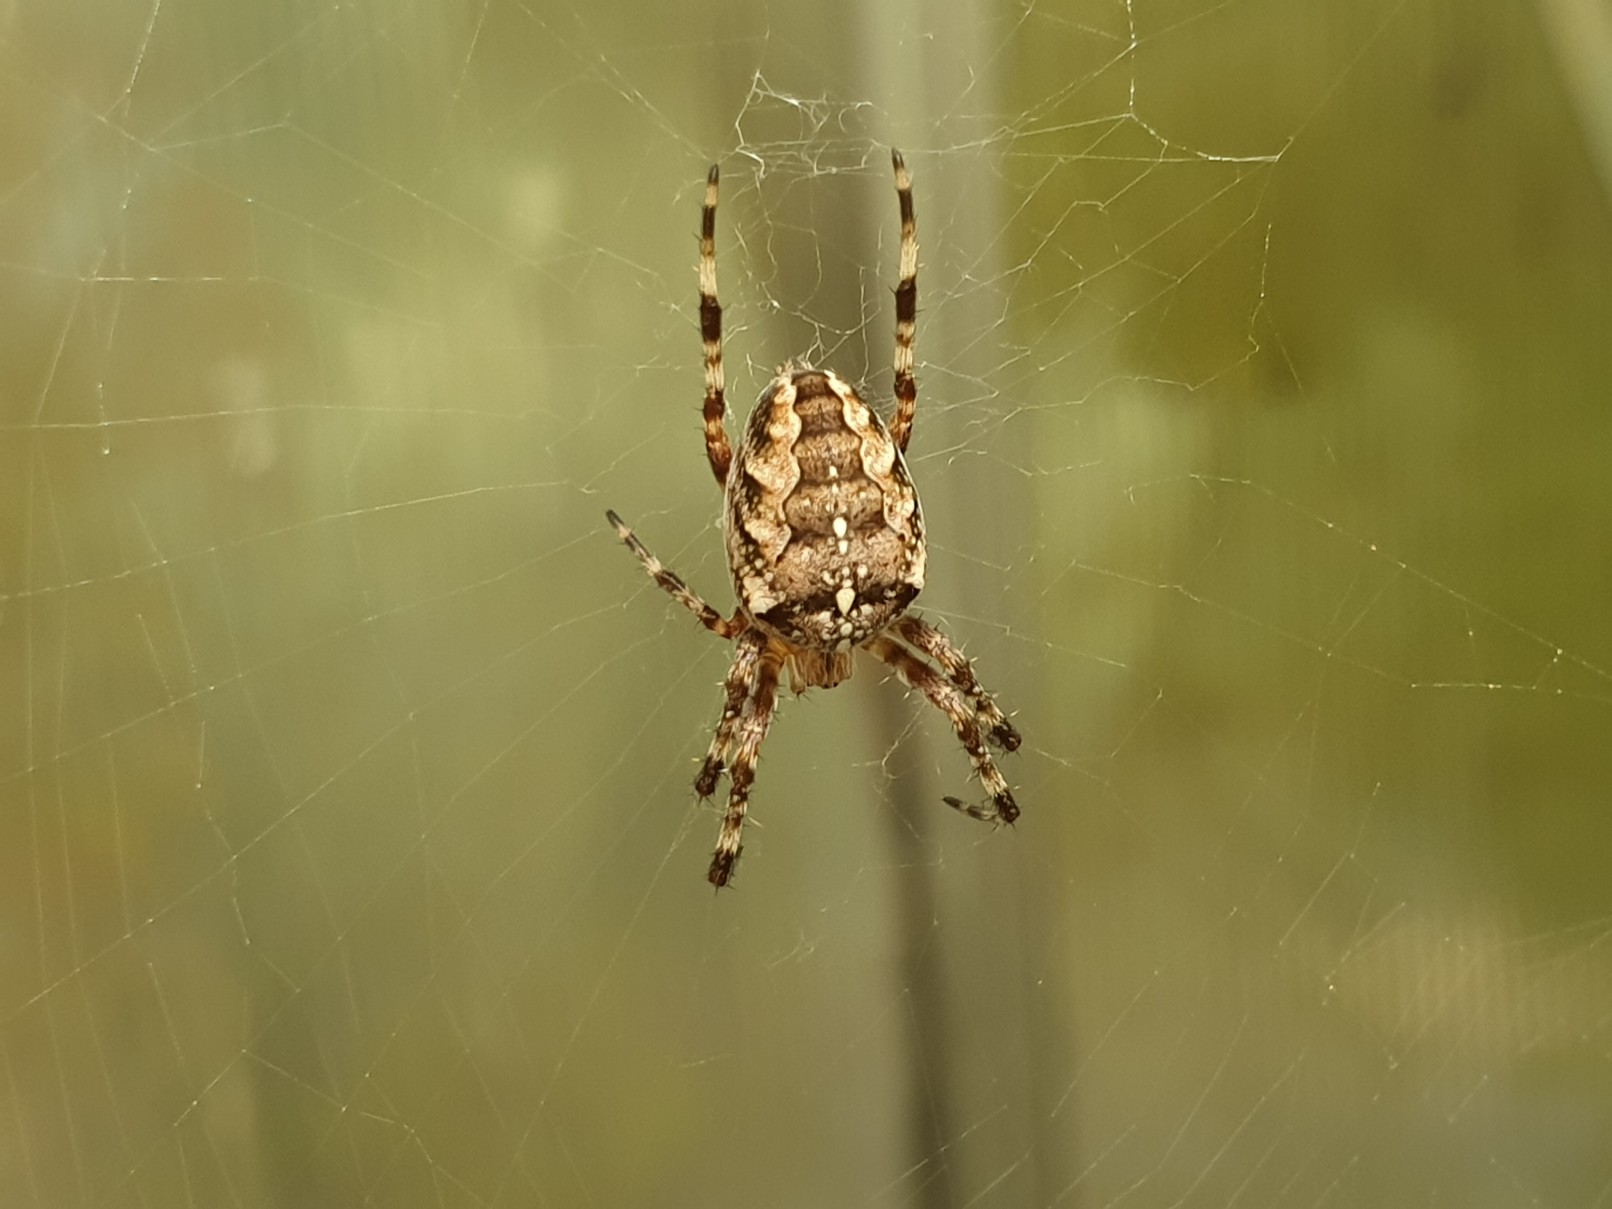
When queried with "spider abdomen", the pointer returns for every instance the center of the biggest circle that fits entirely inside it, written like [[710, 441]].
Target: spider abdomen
[[825, 536]]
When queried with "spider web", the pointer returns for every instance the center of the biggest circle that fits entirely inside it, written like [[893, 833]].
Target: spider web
[[349, 855]]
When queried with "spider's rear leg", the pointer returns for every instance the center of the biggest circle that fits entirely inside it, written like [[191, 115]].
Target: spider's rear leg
[[959, 710], [752, 729], [740, 683], [935, 643]]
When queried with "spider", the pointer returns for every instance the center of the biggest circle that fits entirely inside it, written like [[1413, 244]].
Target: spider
[[825, 544]]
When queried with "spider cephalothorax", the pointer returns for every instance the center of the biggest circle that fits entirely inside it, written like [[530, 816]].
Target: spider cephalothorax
[[826, 547]]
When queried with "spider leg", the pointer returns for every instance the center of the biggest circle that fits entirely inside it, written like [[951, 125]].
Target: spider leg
[[717, 448], [672, 583], [752, 729], [906, 388], [738, 685], [935, 643], [946, 697]]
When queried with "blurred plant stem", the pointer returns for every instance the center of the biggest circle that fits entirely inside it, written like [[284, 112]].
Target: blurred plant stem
[[927, 1070]]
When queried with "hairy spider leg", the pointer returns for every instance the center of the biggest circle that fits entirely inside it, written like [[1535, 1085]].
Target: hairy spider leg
[[669, 580], [738, 688], [717, 449], [935, 643], [906, 388], [945, 696], [753, 724]]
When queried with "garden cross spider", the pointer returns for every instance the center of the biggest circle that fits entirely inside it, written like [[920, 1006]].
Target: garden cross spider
[[826, 547]]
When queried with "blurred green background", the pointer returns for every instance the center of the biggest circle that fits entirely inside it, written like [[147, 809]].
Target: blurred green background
[[347, 849]]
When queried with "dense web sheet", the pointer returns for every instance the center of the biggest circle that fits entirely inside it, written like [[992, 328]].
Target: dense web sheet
[[347, 849]]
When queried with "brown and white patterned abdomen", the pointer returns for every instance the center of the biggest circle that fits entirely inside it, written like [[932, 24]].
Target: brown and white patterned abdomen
[[825, 537]]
